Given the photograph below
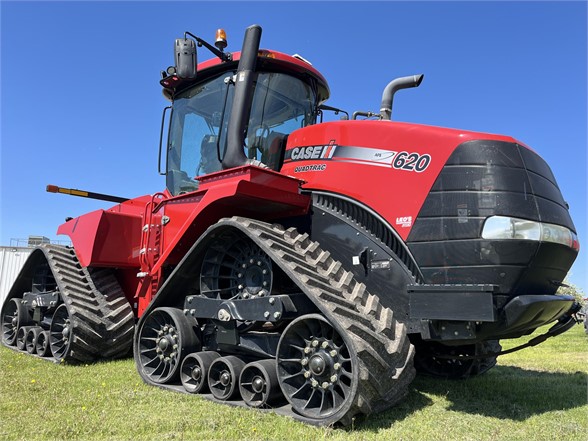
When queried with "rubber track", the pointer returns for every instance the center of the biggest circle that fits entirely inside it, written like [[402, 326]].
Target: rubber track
[[101, 317], [385, 355]]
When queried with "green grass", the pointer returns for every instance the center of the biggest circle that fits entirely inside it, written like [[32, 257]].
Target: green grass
[[535, 394]]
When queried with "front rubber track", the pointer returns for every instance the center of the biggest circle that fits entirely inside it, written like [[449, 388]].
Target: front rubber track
[[384, 352], [102, 321]]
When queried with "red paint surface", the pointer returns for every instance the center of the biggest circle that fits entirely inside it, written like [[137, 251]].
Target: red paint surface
[[134, 238], [395, 194]]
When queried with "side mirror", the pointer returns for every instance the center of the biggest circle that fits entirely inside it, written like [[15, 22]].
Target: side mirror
[[185, 56]]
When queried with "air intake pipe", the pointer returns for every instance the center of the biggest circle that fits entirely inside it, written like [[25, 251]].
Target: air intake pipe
[[242, 101], [392, 88]]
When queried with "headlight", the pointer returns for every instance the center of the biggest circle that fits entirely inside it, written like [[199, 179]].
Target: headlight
[[502, 227]]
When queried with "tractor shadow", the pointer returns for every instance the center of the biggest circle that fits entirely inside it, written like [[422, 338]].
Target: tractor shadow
[[505, 392]]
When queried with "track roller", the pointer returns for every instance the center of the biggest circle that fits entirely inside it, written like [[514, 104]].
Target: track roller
[[31, 339], [259, 384], [194, 371], [21, 337], [223, 377], [42, 344]]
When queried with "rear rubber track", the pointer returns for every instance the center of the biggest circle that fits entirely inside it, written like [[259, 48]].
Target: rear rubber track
[[101, 318], [384, 352]]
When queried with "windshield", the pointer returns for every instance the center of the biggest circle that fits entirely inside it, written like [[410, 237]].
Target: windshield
[[197, 137]]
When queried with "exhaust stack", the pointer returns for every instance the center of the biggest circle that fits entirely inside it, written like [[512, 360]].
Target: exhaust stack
[[392, 88], [241, 110]]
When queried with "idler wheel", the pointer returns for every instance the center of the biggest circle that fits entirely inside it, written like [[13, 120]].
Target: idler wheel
[[165, 338], [14, 315]]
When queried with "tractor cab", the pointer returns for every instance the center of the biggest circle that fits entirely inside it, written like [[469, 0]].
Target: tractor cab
[[212, 101]]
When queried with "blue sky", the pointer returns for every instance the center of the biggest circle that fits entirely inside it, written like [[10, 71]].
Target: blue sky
[[81, 102]]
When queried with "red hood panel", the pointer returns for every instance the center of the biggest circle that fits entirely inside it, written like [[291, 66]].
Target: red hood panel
[[388, 166]]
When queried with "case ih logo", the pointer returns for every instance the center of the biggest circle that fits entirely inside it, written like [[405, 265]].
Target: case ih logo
[[313, 152], [397, 160]]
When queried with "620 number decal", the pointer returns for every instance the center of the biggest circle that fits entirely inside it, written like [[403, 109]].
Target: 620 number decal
[[411, 161]]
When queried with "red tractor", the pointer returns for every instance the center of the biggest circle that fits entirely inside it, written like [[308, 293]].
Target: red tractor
[[311, 267]]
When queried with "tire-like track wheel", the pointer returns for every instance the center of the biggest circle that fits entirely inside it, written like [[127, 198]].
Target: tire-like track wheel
[[42, 344], [223, 377], [31, 339], [194, 371], [316, 370], [14, 315], [60, 333], [165, 338], [258, 383]]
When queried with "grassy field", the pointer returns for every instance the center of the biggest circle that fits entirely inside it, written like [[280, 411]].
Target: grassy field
[[535, 394]]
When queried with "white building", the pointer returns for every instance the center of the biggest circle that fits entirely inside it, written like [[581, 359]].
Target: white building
[[11, 261], [12, 258]]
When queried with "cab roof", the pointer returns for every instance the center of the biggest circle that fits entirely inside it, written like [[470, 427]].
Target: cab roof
[[267, 61]]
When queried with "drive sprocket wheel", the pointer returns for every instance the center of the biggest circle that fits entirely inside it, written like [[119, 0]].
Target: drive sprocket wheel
[[317, 370], [235, 267], [165, 338]]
